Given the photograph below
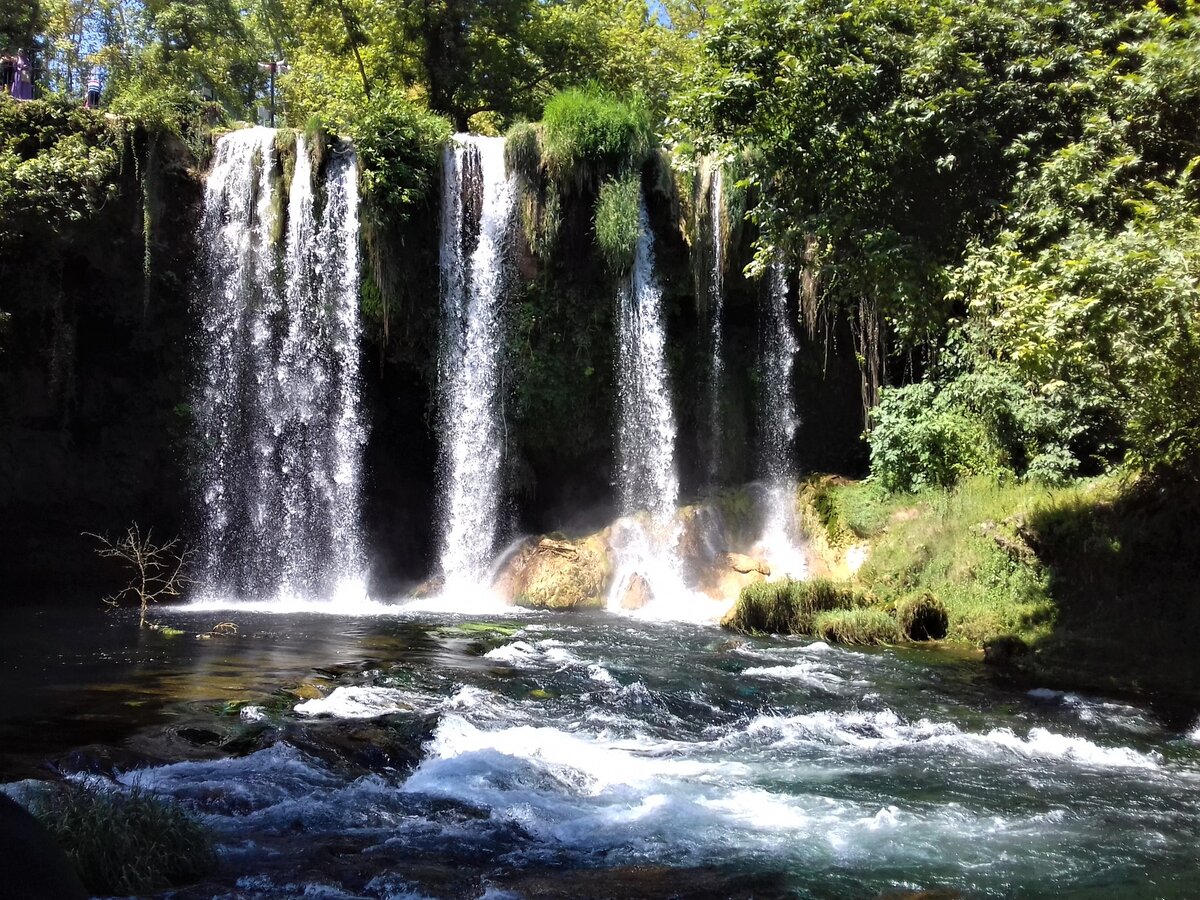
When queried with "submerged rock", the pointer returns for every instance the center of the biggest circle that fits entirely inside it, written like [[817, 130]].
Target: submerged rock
[[557, 574]]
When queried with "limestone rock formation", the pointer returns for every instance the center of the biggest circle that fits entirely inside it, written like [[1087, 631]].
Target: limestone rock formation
[[557, 574]]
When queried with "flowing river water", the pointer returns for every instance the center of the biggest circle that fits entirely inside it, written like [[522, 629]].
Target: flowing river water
[[539, 755]]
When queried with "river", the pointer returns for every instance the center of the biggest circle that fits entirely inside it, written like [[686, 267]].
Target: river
[[424, 754]]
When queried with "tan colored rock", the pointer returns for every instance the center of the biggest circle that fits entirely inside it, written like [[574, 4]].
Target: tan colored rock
[[637, 593], [557, 574], [744, 564], [728, 584]]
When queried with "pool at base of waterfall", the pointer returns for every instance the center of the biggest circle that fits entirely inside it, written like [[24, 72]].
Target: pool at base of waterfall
[[540, 755]]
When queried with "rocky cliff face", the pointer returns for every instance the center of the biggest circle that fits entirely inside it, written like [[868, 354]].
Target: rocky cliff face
[[96, 368]]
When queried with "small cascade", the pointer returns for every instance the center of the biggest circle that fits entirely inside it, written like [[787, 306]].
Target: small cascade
[[778, 421], [716, 316], [646, 432], [277, 407], [477, 219]]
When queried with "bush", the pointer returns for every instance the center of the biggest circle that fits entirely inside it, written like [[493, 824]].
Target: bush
[[919, 440], [922, 618], [523, 151], [590, 134], [982, 421], [788, 607], [857, 626], [125, 843], [618, 222]]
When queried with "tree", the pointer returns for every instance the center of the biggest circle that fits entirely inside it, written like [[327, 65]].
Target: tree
[[158, 570]]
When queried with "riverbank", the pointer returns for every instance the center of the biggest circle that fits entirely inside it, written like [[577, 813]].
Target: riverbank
[[1093, 585]]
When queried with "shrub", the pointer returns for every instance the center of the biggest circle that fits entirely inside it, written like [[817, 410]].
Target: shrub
[[788, 607], [856, 626], [618, 222], [982, 421], [125, 843], [918, 441], [922, 618], [523, 151], [588, 134]]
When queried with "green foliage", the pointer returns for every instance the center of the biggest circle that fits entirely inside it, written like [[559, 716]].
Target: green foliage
[[919, 440], [58, 166], [398, 146], [618, 222], [589, 134], [523, 151], [788, 607], [857, 626], [130, 843], [981, 422]]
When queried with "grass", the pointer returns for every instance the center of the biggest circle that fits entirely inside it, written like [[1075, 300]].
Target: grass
[[125, 843], [1094, 585], [862, 625], [788, 607], [618, 225], [589, 134], [964, 547]]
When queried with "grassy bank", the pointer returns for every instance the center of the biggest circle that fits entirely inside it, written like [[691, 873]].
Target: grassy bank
[[1095, 583]]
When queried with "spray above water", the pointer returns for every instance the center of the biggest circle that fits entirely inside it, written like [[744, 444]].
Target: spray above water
[[277, 408], [477, 218]]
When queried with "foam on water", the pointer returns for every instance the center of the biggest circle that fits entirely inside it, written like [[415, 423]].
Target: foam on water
[[885, 731], [365, 702]]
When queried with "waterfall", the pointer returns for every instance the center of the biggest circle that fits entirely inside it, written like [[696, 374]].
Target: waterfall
[[777, 428], [276, 412], [477, 219], [646, 421], [648, 483], [716, 335]]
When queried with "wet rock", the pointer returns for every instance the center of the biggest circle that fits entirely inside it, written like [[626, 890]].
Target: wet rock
[[97, 759], [558, 574], [643, 882], [1003, 650], [745, 565], [391, 744], [637, 593], [199, 737], [32, 864]]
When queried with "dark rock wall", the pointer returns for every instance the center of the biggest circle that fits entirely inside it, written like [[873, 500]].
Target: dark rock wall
[[95, 368]]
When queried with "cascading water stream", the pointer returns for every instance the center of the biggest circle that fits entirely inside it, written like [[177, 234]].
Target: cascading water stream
[[645, 432], [477, 217], [277, 410], [716, 334], [777, 429]]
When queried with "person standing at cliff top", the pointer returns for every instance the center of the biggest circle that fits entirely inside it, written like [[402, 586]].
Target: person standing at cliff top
[[22, 86], [93, 91]]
